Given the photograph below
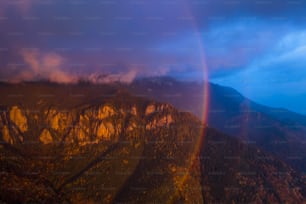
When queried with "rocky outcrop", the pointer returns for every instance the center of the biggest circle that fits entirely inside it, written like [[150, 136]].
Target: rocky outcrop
[[105, 131], [18, 118], [150, 109], [134, 110], [157, 108], [164, 121], [105, 111], [132, 126], [6, 135], [45, 137], [160, 115], [87, 125], [58, 120]]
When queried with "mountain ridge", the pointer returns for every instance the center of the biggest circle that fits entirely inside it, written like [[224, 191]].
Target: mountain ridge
[[279, 132], [164, 154]]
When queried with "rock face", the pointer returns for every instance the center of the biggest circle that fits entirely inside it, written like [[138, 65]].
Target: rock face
[[164, 121], [156, 108], [6, 135], [91, 124], [18, 118], [105, 131], [150, 109], [58, 120], [134, 111], [105, 111], [45, 137]]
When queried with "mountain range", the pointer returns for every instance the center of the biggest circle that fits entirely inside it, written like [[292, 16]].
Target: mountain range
[[144, 142], [275, 130]]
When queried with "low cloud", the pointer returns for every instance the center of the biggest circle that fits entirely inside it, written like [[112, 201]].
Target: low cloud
[[127, 77], [40, 66]]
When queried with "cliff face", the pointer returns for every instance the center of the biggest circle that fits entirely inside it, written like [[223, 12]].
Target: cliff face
[[129, 149], [82, 126]]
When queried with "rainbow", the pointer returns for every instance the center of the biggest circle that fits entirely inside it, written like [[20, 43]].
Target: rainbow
[[205, 100]]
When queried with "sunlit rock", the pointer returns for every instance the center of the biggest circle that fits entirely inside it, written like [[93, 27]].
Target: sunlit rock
[[132, 126], [58, 120], [134, 110], [6, 135], [45, 137], [55, 122], [51, 118], [163, 107], [105, 111], [85, 123], [164, 121], [105, 131], [150, 109], [81, 135], [18, 118]]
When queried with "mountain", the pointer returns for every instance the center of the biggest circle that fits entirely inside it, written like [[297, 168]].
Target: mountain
[[98, 143], [278, 131]]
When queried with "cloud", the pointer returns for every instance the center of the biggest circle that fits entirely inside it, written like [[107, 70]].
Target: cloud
[[163, 37], [40, 66], [127, 77], [226, 47], [277, 77], [286, 57], [51, 67], [291, 48]]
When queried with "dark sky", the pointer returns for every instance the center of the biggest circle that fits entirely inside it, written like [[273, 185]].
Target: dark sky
[[257, 47]]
